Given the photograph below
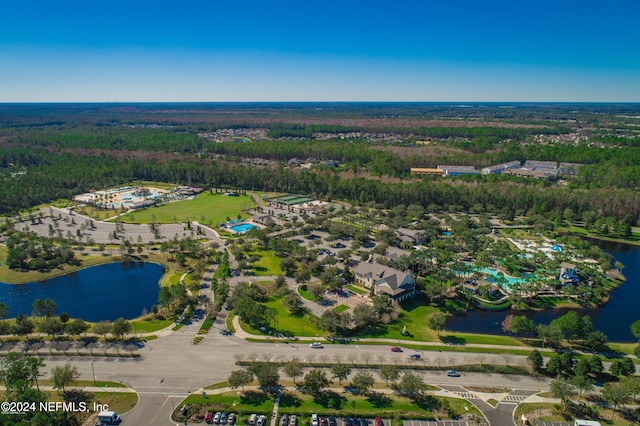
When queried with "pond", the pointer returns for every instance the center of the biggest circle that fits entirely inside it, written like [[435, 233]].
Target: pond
[[613, 319], [104, 292]]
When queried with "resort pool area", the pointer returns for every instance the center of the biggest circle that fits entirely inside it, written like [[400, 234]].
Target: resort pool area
[[493, 277], [242, 228]]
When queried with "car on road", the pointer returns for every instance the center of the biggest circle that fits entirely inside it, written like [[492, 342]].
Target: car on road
[[232, 419], [284, 420], [415, 356], [314, 420], [453, 373], [293, 421], [316, 345], [396, 349]]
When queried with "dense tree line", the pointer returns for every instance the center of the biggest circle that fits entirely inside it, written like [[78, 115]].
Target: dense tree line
[[64, 175]]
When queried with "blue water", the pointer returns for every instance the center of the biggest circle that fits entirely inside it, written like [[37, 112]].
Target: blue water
[[243, 227], [613, 319], [447, 233], [104, 292], [493, 277]]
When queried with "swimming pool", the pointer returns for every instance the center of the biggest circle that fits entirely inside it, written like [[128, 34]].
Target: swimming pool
[[242, 228], [509, 280]]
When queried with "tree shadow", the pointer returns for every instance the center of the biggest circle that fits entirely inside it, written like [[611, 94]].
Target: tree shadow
[[379, 400], [453, 340], [253, 397], [329, 399], [426, 402], [288, 400]]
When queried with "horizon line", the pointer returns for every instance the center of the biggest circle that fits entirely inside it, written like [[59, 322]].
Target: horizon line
[[462, 102]]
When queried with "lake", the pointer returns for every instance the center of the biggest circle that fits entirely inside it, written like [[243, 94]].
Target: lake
[[104, 292], [613, 319]]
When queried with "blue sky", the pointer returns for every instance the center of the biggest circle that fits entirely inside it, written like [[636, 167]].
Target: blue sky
[[127, 51]]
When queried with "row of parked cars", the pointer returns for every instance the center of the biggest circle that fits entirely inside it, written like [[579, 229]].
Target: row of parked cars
[[220, 418]]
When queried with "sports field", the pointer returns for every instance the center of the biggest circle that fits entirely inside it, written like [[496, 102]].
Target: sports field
[[206, 208]]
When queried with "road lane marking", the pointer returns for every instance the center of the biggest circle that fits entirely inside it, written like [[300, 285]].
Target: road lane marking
[[159, 410]]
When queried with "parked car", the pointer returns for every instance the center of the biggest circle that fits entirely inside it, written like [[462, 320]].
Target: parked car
[[284, 420], [216, 418], [262, 420], [208, 418], [314, 420], [378, 422], [293, 421], [415, 356], [324, 421], [453, 373], [253, 419], [223, 418], [232, 419], [316, 345], [396, 349], [332, 421]]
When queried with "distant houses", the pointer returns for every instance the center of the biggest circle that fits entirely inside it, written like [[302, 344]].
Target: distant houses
[[531, 169], [411, 235], [499, 168], [458, 170], [426, 171]]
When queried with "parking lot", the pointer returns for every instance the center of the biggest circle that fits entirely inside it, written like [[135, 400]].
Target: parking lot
[[541, 423], [435, 422]]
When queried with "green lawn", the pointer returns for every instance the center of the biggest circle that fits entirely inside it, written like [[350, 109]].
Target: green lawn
[[267, 265], [355, 289], [341, 308], [149, 326], [295, 325], [302, 291], [206, 208]]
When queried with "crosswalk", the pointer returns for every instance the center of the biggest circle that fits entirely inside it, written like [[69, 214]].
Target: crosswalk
[[514, 398], [467, 395]]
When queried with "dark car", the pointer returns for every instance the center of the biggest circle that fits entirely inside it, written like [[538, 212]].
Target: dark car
[[284, 420], [332, 421], [415, 356]]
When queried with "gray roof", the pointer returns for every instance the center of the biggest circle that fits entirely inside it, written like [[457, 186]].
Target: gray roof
[[382, 274]]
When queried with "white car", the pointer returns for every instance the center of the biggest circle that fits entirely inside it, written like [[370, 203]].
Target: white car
[[314, 420], [316, 345]]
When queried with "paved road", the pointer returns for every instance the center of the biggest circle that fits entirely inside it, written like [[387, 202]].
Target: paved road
[[170, 368]]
